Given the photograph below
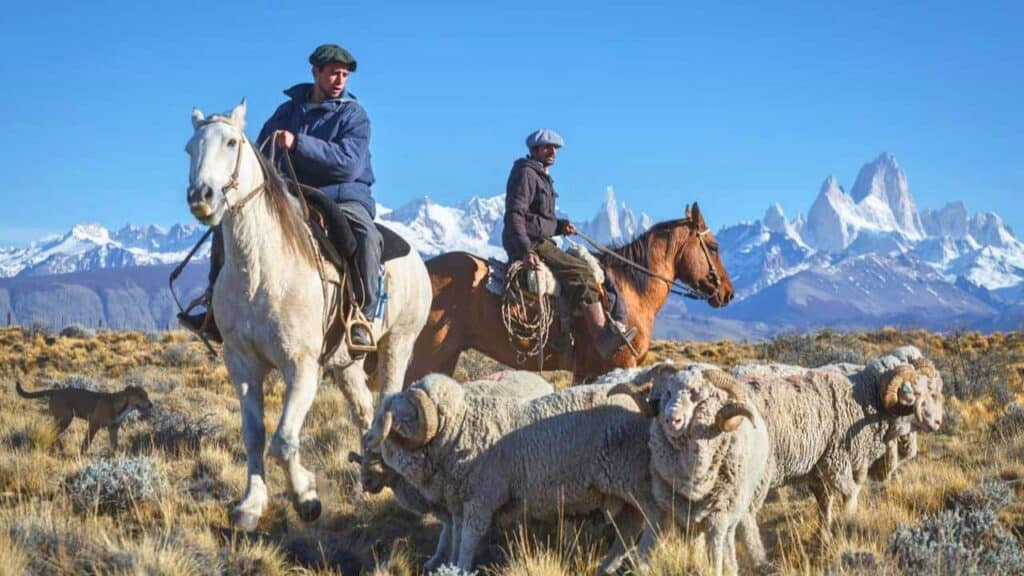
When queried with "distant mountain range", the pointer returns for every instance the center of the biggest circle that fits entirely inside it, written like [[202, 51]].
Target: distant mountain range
[[861, 259]]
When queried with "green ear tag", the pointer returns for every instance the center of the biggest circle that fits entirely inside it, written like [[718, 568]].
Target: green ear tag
[[905, 389]]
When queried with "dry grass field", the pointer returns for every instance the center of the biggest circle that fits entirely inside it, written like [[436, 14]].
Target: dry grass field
[[160, 505]]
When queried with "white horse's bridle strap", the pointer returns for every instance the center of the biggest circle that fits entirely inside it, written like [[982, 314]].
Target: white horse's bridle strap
[[233, 181]]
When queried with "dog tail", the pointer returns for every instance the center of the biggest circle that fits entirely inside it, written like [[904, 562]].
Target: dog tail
[[24, 394]]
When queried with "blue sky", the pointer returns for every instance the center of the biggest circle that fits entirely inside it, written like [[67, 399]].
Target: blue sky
[[734, 105]]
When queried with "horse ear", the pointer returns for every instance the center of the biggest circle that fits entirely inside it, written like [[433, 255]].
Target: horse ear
[[238, 115], [697, 217], [686, 211], [197, 118]]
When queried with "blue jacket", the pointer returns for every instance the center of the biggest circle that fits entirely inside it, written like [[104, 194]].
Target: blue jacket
[[332, 144]]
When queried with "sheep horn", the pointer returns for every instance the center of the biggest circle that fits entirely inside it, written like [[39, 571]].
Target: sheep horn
[[731, 416], [381, 427], [926, 367], [889, 388], [723, 381], [639, 395], [427, 411]]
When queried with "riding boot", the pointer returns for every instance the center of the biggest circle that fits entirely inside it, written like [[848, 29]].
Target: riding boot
[[198, 322], [604, 338]]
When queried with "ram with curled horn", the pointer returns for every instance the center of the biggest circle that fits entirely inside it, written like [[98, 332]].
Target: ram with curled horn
[[706, 467], [409, 417], [647, 388]]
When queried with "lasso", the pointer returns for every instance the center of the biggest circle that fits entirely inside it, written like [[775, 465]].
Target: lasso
[[524, 322]]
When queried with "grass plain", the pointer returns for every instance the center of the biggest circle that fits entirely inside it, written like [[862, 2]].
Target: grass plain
[[175, 520]]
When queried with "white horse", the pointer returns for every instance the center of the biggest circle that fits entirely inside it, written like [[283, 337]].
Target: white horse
[[272, 305]]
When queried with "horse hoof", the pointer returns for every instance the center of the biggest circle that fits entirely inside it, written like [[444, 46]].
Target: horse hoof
[[309, 510], [244, 521]]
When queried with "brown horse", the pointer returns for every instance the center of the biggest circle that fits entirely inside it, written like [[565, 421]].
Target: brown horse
[[465, 315]]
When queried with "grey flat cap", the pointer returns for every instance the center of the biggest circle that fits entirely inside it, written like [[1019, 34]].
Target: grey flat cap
[[544, 136]]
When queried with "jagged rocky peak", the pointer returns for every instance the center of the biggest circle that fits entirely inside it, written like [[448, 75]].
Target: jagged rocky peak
[[828, 221], [775, 219], [990, 230], [884, 180], [90, 231], [950, 220]]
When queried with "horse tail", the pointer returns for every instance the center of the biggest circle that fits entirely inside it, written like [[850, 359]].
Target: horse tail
[[25, 394]]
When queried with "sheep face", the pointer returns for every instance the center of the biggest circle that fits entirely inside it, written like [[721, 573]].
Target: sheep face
[[374, 476], [676, 397], [929, 401]]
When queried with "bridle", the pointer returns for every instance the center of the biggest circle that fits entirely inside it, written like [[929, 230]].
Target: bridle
[[233, 181], [674, 287], [712, 276]]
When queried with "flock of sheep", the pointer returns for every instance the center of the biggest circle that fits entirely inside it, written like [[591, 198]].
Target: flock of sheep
[[690, 445]]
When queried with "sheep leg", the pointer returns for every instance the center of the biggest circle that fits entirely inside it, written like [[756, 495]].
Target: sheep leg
[[731, 566], [455, 540], [628, 524], [440, 556], [303, 379], [248, 379], [824, 497], [714, 538], [851, 493], [751, 536], [476, 520]]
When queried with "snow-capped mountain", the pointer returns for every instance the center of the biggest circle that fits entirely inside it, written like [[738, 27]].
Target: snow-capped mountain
[[614, 223], [475, 226], [864, 258], [871, 254], [91, 246]]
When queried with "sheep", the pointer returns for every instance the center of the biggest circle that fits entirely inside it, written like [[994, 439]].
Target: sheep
[[572, 452], [375, 475], [829, 425], [928, 415], [709, 453]]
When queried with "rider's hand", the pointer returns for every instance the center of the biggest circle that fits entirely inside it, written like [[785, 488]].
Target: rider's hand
[[284, 139], [531, 260], [570, 229]]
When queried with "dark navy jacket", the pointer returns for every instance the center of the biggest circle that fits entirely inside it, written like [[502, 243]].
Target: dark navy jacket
[[332, 144]]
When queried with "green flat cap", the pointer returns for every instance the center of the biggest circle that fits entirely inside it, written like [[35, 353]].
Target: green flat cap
[[326, 53]]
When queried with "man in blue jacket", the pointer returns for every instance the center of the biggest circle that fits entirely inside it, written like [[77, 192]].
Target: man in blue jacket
[[327, 133]]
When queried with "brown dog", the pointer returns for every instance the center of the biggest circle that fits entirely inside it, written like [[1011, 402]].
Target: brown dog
[[100, 409]]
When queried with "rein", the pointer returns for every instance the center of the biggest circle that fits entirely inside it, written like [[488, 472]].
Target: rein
[[330, 304], [684, 290]]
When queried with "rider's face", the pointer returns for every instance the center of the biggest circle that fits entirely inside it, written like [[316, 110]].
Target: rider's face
[[544, 154], [330, 79]]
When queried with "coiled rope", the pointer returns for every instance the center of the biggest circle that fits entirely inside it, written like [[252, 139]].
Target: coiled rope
[[525, 321]]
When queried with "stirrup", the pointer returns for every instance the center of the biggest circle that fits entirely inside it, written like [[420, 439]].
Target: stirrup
[[360, 348], [626, 334]]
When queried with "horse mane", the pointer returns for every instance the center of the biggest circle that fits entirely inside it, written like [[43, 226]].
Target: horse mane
[[638, 250], [282, 206]]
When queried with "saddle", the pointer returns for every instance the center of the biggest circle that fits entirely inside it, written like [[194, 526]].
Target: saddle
[[333, 233], [541, 283]]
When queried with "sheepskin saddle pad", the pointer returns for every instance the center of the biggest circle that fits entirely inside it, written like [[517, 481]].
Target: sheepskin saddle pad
[[547, 285]]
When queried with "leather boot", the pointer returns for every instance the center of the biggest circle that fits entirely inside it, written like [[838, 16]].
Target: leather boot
[[605, 340], [194, 323]]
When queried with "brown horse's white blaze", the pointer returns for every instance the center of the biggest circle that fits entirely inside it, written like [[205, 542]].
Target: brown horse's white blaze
[[465, 315]]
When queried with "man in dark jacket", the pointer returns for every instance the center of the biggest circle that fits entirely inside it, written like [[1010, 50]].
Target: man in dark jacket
[[327, 133], [529, 225]]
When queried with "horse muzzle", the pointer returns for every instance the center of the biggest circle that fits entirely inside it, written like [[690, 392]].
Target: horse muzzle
[[201, 210]]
